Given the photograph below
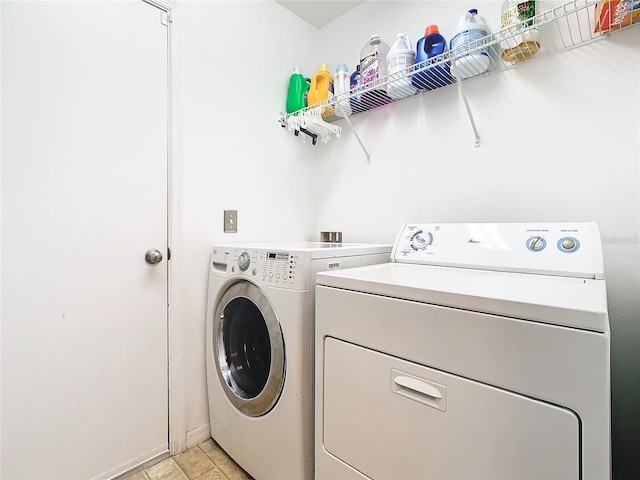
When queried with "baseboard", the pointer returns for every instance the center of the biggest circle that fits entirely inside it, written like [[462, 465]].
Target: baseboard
[[198, 435], [133, 466]]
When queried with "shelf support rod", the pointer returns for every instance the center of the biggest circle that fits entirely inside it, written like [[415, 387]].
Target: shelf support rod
[[476, 143], [346, 117]]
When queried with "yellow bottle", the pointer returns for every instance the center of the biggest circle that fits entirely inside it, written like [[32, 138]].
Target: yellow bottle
[[321, 89]]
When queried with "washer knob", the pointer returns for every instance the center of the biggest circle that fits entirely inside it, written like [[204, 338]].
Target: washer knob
[[568, 244], [244, 260]]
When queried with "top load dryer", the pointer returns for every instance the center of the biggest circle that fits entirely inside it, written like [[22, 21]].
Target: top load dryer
[[480, 351]]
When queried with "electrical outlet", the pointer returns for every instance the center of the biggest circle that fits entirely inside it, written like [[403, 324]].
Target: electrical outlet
[[230, 221]]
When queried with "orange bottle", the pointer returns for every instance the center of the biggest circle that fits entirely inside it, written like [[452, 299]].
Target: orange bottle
[[321, 89]]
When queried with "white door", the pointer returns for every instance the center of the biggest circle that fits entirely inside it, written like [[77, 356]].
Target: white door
[[84, 196]]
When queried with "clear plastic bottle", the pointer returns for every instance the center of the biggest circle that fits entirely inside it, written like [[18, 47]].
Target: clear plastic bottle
[[373, 67], [520, 39], [400, 57], [321, 89], [469, 59], [341, 86]]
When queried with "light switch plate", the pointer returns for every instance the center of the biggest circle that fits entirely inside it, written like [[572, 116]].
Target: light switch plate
[[230, 221]]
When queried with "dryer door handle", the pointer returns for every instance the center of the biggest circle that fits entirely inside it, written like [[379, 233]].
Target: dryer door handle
[[418, 385], [418, 389]]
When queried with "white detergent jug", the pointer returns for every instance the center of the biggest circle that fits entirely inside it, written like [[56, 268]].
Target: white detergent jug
[[373, 66], [400, 57], [470, 58], [341, 86]]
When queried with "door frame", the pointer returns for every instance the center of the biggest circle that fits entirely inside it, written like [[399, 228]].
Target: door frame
[[176, 393]]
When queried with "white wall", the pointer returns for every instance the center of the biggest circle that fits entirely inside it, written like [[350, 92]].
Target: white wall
[[559, 142], [236, 60]]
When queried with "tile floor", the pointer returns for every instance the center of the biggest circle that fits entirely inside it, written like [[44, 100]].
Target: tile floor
[[206, 461]]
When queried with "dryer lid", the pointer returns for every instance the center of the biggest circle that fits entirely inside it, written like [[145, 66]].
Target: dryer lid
[[564, 301]]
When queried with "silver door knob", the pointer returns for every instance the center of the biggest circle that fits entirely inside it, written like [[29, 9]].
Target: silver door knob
[[153, 256]]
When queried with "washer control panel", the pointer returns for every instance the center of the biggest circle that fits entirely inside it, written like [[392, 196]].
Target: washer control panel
[[269, 267], [291, 265], [566, 249]]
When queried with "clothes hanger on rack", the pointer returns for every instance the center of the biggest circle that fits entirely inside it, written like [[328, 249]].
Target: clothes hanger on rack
[[312, 120], [310, 123]]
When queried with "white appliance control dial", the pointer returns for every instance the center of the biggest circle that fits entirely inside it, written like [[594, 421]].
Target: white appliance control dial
[[244, 260], [568, 244], [536, 244], [421, 240]]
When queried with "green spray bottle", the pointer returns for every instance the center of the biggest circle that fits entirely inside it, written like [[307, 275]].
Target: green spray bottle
[[298, 88]]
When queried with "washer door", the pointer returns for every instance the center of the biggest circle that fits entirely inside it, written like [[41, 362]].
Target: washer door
[[248, 349]]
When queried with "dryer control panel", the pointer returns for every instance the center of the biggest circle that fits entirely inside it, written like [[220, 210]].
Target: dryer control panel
[[565, 249]]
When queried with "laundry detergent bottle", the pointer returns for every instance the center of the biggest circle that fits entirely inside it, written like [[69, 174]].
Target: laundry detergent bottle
[[400, 57], [341, 86], [469, 59], [298, 88], [373, 67], [357, 105], [429, 47], [321, 89]]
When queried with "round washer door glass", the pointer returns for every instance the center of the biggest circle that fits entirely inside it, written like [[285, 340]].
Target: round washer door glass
[[249, 349]]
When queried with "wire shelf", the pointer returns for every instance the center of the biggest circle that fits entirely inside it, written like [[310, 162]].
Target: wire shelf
[[561, 28]]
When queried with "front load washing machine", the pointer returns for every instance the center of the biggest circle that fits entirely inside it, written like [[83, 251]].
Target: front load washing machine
[[259, 349]]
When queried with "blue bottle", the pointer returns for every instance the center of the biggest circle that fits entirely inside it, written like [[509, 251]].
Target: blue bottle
[[430, 46]]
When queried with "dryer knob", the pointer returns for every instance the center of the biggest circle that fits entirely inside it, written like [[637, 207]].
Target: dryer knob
[[536, 244], [244, 260], [421, 240]]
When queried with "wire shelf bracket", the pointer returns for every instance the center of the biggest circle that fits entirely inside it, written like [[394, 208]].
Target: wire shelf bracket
[[364, 149], [476, 142]]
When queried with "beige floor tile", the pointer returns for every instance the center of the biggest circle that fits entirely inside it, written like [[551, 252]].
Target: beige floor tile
[[206, 461], [175, 475], [214, 474], [194, 463], [231, 469], [208, 446], [138, 476], [225, 463], [165, 470], [212, 450]]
